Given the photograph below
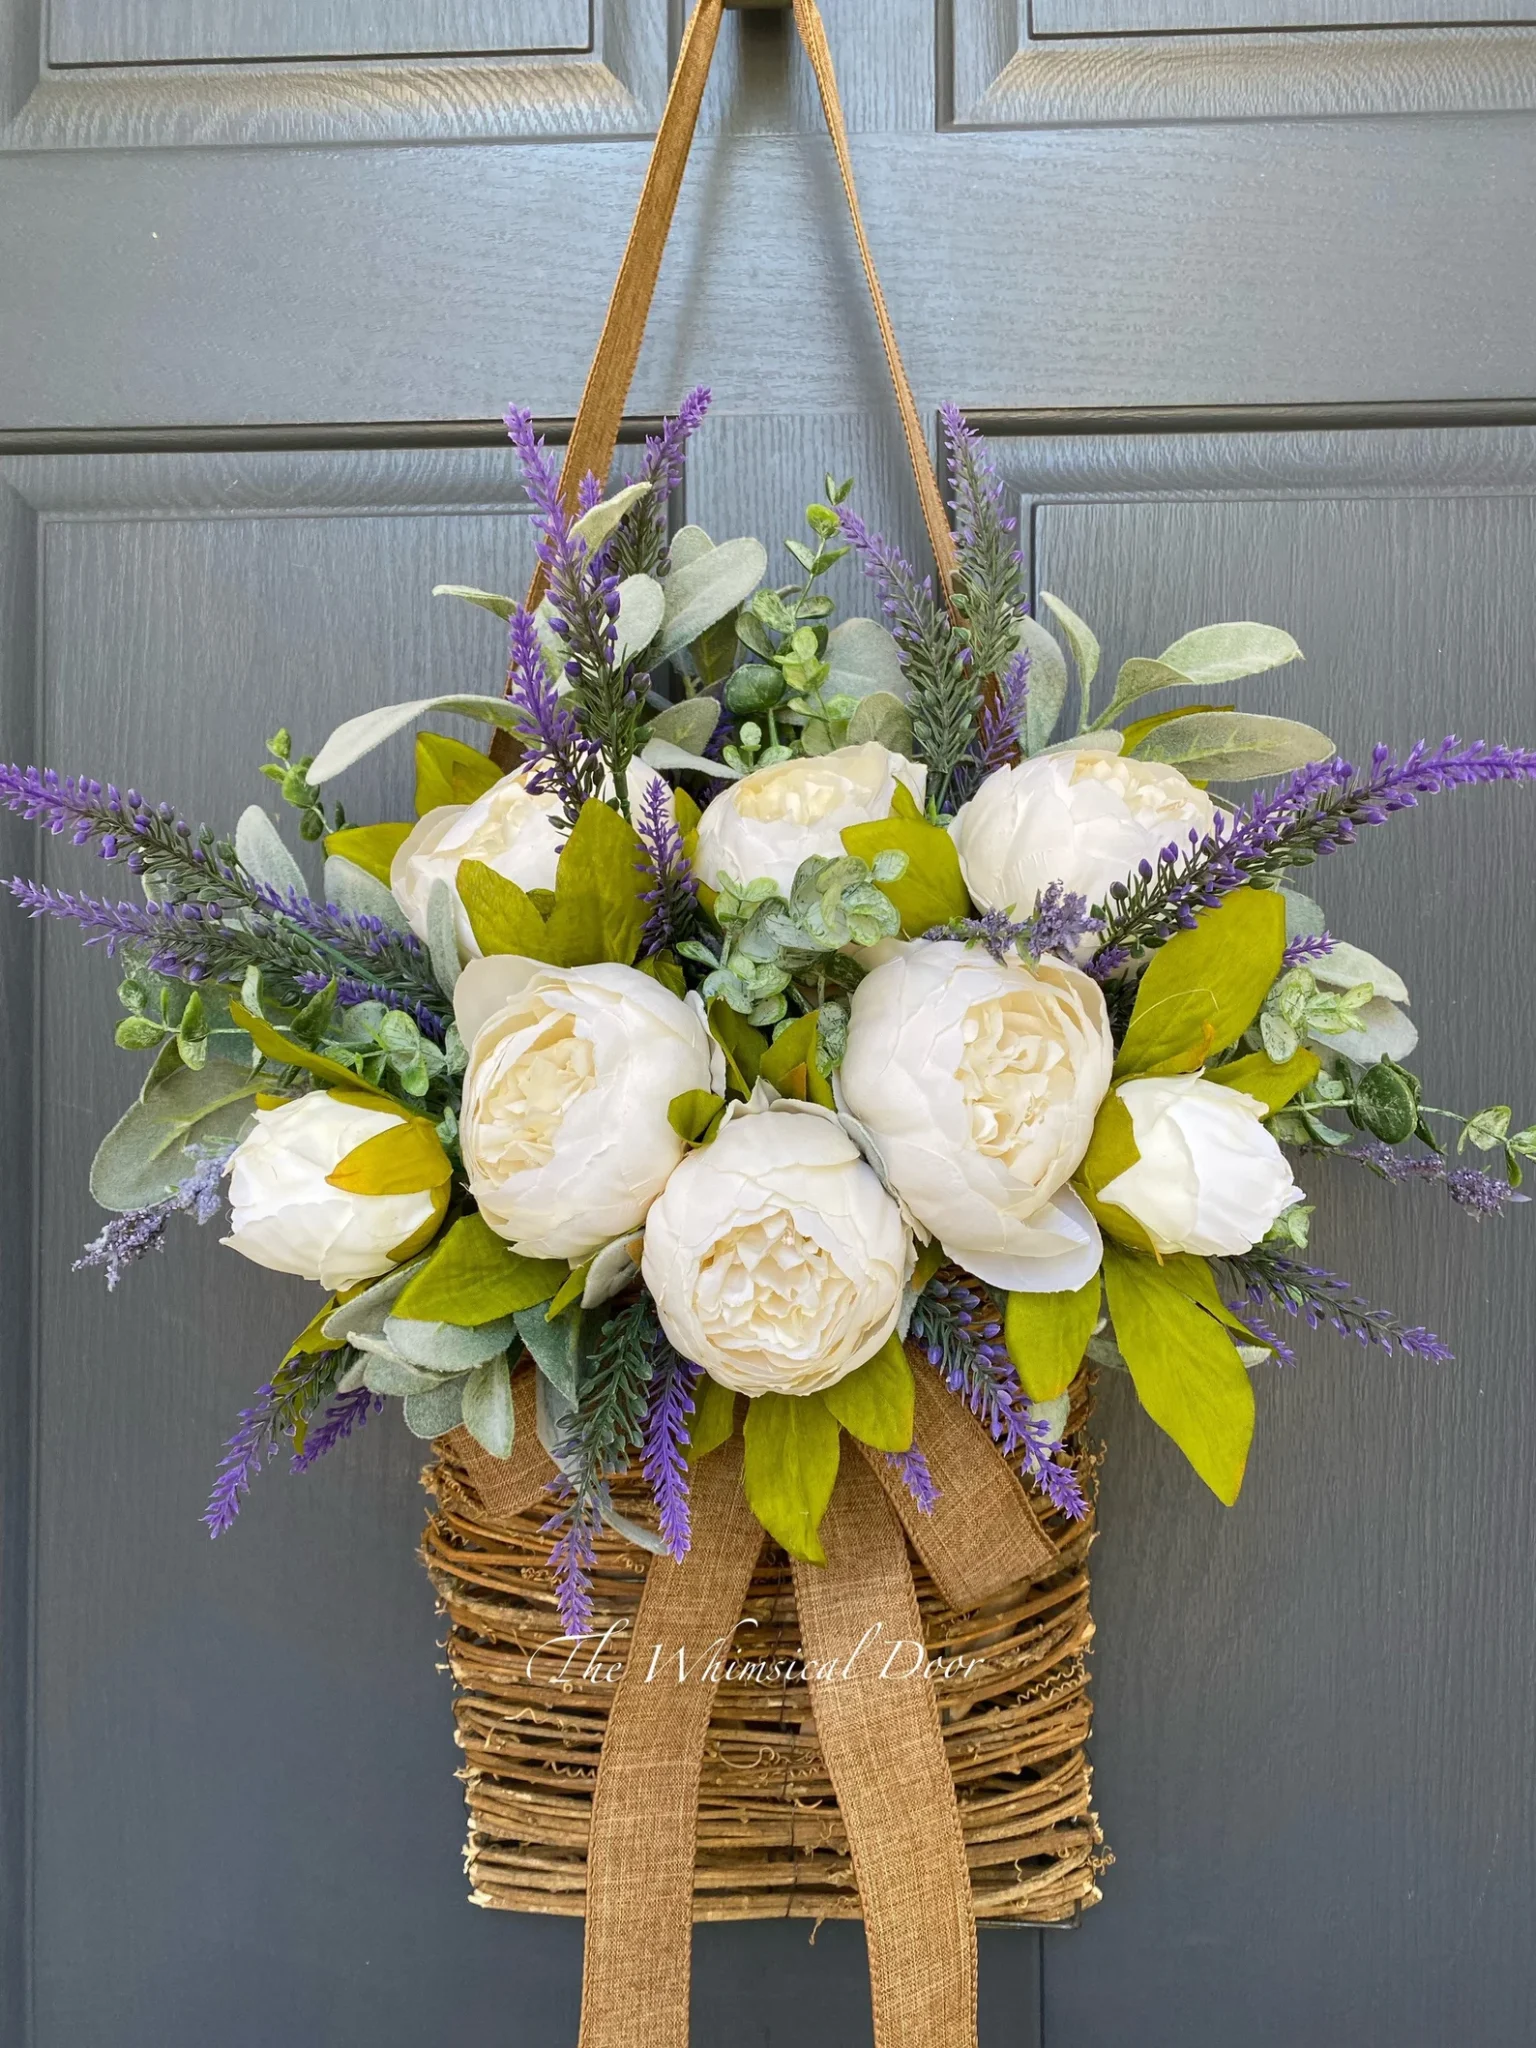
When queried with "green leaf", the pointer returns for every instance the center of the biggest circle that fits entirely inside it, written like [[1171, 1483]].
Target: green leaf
[[714, 1418], [1348, 966], [693, 1113], [448, 772], [1111, 1152], [791, 1468], [404, 1160], [474, 1277], [569, 1292], [1270, 1082], [704, 588], [600, 908], [283, 1051], [503, 607], [1221, 654], [1139, 678], [874, 1402], [359, 736], [863, 660], [1203, 989], [742, 1044], [641, 605], [1233, 746], [932, 891], [1187, 1373], [1485, 1130], [260, 851], [142, 1158], [883, 717], [1387, 1103], [595, 526], [689, 725], [500, 915], [1047, 684], [1193, 1277], [1082, 641], [1047, 1334], [488, 1412], [434, 1413], [369, 847], [137, 1034], [790, 1063]]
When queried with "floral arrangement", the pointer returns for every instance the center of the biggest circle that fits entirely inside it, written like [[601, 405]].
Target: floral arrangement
[[793, 1008]]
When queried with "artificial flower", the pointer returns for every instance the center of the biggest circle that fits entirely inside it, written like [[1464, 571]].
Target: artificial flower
[[978, 1084], [510, 829], [1210, 1179], [1084, 818], [768, 823], [775, 1257], [571, 1070], [287, 1215]]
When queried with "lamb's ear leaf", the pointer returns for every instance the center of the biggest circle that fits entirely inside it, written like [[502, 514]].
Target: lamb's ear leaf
[[1203, 989], [1047, 1335], [704, 587], [932, 891], [500, 914], [488, 600], [488, 1411], [143, 1158], [1232, 746], [448, 772], [595, 526], [1047, 683], [714, 1418], [791, 1468], [1186, 1370], [369, 847], [260, 851], [1082, 640], [475, 1277], [435, 1413], [358, 736], [874, 1402], [1225, 653], [600, 907]]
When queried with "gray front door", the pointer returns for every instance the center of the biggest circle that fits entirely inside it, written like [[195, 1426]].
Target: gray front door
[[1243, 292]]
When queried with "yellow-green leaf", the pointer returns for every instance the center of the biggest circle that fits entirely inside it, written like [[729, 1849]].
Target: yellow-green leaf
[[904, 804], [600, 908], [714, 1418], [448, 772], [742, 1043], [929, 1260], [369, 847], [312, 1337], [694, 1113], [791, 1468], [790, 1064], [571, 1288], [1193, 1277], [1259, 1076], [1111, 1152], [475, 1278], [931, 891], [1188, 1375], [1203, 989], [500, 914], [287, 1052], [874, 1401], [407, 1159], [1046, 1335], [686, 812], [663, 968]]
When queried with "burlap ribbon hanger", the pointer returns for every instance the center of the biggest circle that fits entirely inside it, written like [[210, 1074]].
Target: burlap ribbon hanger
[[876, 1718]]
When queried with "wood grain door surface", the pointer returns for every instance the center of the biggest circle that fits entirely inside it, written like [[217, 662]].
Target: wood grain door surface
[[1242, 292]]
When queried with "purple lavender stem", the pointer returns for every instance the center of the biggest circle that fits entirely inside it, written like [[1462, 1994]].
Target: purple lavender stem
[[1309, 947], [911, 1467], [1321, 1297], [663, 1457], [345, 1413], [254, 1441], [1479, 1193], [674, 890], [127, 1237], [565, 762], [572, 1559]]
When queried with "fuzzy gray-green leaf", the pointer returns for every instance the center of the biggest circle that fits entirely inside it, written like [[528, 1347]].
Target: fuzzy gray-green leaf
[[1233, 746], [704, 589], [883, 717], [143, 1157], [1223, 654], [1047, 684], [863, 657], [435, 1413], [488, 1412]]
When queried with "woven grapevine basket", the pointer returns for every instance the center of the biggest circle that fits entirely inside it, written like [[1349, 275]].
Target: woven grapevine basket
[[531, 1719]]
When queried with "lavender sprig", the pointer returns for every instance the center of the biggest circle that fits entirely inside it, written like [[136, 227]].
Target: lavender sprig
[[130, 1235], [282, 1409], [663, 1456], [989, 590], [1059, 924], [1479, 1193], [639, 544], [564, 762], [998, 724], [1311, 813], [151, 839], [1320, 1297], [959, 1333], [944, 692], [673, 894], [608, 1426], [345, 1413], [911, 1467], [574, 1557], [1306, 949]]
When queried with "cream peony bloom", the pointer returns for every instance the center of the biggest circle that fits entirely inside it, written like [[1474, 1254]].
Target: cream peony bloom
[[775, 1258], [978, 1085], [769, 822], [512, 831], [1210, 1178], [1084, 819], [286, 1215], [564, 1121]]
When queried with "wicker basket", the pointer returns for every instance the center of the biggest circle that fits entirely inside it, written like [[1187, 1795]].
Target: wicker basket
[[770, 1843]]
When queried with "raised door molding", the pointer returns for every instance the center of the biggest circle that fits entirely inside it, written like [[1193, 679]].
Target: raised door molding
[[1057, 63]]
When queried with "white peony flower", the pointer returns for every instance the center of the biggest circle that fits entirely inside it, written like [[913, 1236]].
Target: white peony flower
[[769, 822], [1084, 819], [979, 1084], [564, 1120], [512, 831], [1210, 1178], [288, 1217], [775, 1258]]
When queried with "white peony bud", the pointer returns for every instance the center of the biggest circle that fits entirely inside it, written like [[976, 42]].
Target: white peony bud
[[765, 825], [775, 1258], [288, 1217], [978, 1085], [512, 831], [1210, 1178], [1084, 819], [564, 1122]]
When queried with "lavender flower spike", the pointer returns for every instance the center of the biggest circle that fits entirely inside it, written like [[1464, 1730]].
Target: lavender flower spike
[[346, 1413], [129, 1236], [911, 1468], [565, 763], [673, 894], [663, 1457]]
